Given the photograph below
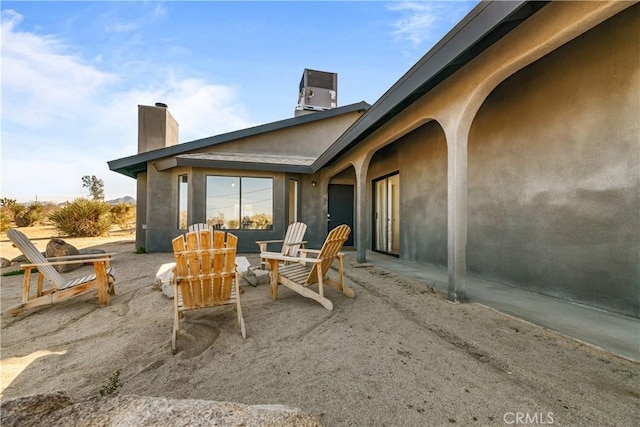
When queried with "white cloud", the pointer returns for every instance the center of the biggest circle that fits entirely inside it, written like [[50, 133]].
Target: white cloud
[[42, 80], [422, 23], [63, 118], [121, 27], [417, 22]]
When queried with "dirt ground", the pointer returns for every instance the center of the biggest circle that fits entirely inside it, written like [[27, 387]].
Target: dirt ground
[[398, 354]]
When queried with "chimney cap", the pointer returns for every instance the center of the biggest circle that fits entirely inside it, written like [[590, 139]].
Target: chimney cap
[[161, 104]]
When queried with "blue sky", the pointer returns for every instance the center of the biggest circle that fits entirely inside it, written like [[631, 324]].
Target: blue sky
[[74, 72]]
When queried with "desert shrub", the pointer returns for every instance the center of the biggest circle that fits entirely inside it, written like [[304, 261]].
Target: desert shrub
[[30, 215], [47, 209], [112, 385], [83, 218], [5, 220], [124, 215], [22, 215]]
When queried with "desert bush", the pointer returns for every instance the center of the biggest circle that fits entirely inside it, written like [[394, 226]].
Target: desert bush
[[21, 214], [112, 385], [5, 221], [83, 218], [30, 215], [124, 215]]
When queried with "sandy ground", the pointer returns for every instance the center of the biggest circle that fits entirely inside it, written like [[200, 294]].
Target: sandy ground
[[398, 354]]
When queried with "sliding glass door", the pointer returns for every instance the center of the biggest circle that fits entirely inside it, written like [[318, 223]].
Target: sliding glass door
[[387, 214]]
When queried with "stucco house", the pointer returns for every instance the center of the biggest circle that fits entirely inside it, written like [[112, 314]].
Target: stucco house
[[510, 151]]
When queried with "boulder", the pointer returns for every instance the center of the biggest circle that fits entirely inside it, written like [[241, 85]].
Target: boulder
[[58, 248], [21, 259], [61, 409], [255, 276], [262, 277], [91, 251]]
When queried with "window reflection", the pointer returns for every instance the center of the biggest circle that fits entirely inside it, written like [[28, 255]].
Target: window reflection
[[239, 202]]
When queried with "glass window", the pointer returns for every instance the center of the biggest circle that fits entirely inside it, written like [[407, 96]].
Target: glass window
[[234, 202], [183, 190]]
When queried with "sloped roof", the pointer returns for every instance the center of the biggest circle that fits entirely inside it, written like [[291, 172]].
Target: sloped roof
[[484, 25], [264, 162], [133, 165]]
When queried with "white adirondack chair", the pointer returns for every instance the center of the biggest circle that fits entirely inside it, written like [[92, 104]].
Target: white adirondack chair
[[291, 244]]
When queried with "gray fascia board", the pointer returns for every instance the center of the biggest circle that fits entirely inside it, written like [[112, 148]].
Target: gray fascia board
[[225, 164], [476, 24], [138, 160]]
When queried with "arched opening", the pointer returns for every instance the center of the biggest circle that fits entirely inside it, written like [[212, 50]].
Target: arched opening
[[553, 175], [409, 196]]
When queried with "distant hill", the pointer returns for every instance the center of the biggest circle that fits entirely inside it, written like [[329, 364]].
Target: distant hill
[[126, 199]]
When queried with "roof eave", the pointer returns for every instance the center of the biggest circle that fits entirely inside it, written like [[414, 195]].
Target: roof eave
[[447, 56], [232, 164], [133, 165]]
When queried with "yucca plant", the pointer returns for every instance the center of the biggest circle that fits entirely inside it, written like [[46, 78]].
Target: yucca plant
[[124, 215], [83, 218]]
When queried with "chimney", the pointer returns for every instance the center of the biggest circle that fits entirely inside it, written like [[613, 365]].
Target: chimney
[[156, 127]]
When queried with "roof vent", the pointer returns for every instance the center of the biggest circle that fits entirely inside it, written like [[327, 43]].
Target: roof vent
[[161, 105], [318, 91]]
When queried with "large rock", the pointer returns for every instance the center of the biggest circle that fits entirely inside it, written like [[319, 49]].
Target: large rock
[[254, 276], [58, 247], [63, 410]]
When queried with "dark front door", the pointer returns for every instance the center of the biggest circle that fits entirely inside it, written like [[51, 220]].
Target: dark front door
[[341, 208]]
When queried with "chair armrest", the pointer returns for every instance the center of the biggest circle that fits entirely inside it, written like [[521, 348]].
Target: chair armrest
[[88, 257], [278, 256], [309, 251], [64, 262], [269, 241]]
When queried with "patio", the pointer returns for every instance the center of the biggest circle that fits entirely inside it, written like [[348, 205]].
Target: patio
[[397, 354]]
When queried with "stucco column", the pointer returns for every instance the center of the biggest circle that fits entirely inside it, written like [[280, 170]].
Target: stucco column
[[457, 213], [361, 167]]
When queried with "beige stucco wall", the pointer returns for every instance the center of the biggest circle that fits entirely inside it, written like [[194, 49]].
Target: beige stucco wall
[[304, 140], [161, 183], [162, 220], [455, 105], [423, 189], [553, 172], [550, 149]]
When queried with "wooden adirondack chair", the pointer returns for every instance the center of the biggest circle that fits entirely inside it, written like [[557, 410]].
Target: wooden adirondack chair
[[291, 243], [60, 288], [205, 275], [201, 226], [299, 276]]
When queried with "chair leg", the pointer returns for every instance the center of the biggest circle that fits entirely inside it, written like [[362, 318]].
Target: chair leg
[[112, 286], [274, 276], [176, 322], [243, 330], [306, 292]]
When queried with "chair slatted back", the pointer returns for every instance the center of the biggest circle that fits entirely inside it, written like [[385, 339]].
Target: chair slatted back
[[293, 237], [332, 245], [205, 267], [199, 227], [35, 257]]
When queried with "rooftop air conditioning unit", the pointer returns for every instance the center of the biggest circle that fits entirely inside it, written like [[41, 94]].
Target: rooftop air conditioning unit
[[318, 91]]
